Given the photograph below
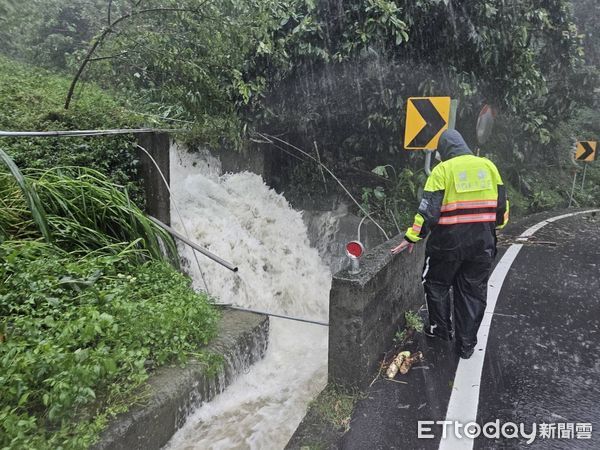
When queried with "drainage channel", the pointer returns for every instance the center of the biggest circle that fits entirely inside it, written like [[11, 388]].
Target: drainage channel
[[239, 218]]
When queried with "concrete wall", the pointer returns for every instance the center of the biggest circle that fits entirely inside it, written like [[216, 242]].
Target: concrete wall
[[158, 203], [366, 310], [253, 159], [329, 231]]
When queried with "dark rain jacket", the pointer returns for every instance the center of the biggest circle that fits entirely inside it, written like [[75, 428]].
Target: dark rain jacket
[[463, 204]]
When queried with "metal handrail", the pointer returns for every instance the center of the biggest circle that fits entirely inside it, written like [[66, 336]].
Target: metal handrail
[[195, 246], [281, 316], [84, 133]]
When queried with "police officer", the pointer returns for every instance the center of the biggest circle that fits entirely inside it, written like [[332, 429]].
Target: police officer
[[463, 204]]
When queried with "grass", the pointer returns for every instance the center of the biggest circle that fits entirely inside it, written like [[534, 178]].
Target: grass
[[90, 305], [78, 209], [33, 201], [335, 405]]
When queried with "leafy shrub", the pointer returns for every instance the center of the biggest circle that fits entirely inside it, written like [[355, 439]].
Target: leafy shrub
[[79, 334], [89, 311], [32, 100], [394, 204]]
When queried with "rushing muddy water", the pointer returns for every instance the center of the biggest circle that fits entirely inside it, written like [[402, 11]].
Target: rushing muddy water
[[240, 219]]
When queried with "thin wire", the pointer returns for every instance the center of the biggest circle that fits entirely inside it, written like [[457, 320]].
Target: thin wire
[[178, 213], [269, 139], [281, 316], [84, 133], [359, 226]]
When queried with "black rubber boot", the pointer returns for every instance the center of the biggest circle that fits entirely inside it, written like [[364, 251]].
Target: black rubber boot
[[466, 353]]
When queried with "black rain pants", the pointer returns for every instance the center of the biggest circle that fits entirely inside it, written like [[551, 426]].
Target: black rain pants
[[468, 279]]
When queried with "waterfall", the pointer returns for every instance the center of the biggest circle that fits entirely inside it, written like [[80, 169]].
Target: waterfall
[[240, 219]]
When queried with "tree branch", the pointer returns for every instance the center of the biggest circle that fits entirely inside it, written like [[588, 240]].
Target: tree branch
[[101, 58], [100, 39]]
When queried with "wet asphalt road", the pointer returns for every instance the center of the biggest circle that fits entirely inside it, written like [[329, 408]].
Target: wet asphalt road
[[543, 355]]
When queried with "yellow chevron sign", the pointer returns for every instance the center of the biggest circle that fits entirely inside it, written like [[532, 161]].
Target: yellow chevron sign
[[426, 119], [586, 151]]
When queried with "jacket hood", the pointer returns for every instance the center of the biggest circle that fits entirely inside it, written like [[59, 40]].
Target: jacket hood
[[452, 144]]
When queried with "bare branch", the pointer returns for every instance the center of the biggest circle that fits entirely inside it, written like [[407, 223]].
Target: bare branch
[[106, 31]]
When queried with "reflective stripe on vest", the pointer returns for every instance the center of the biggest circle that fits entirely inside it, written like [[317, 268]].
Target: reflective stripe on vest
[[467, 218], [470, 204]]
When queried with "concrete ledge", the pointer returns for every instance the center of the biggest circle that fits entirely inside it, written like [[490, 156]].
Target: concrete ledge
[[366, 310], [174, 392]]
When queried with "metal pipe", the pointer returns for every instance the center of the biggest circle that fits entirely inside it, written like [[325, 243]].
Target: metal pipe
[[583, 178], [281, 316], [359, 227], [84, 133], [573, 188], [355, 266], [428, 154], [453, 111], [194, 245], [174, 203]]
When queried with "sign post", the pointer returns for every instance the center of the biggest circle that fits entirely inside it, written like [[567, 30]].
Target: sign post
[[426, 119], [573, 187], [585, 151]]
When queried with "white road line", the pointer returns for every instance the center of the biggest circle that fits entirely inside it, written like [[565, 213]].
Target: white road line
[[464, 399]]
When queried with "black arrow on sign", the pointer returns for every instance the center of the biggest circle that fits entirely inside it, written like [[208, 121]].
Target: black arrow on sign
[[588, 151], [434, 122]]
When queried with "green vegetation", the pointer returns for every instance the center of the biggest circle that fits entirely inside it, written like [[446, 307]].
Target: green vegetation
[[327, 419], [81, 333], [31, 99], [335, 404], [78, 209], [394, 202], [89, 306], [181, 60], [220, 61], [335, 74], [413, 323]]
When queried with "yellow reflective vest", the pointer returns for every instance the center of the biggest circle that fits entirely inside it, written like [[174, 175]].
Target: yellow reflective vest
[[464, 201]]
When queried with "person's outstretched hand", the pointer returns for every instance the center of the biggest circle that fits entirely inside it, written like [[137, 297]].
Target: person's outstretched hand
[[403, 245]]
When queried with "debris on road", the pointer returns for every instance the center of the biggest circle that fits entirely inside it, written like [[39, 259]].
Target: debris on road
[[402, 363], [395, 365], [408, 362]]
